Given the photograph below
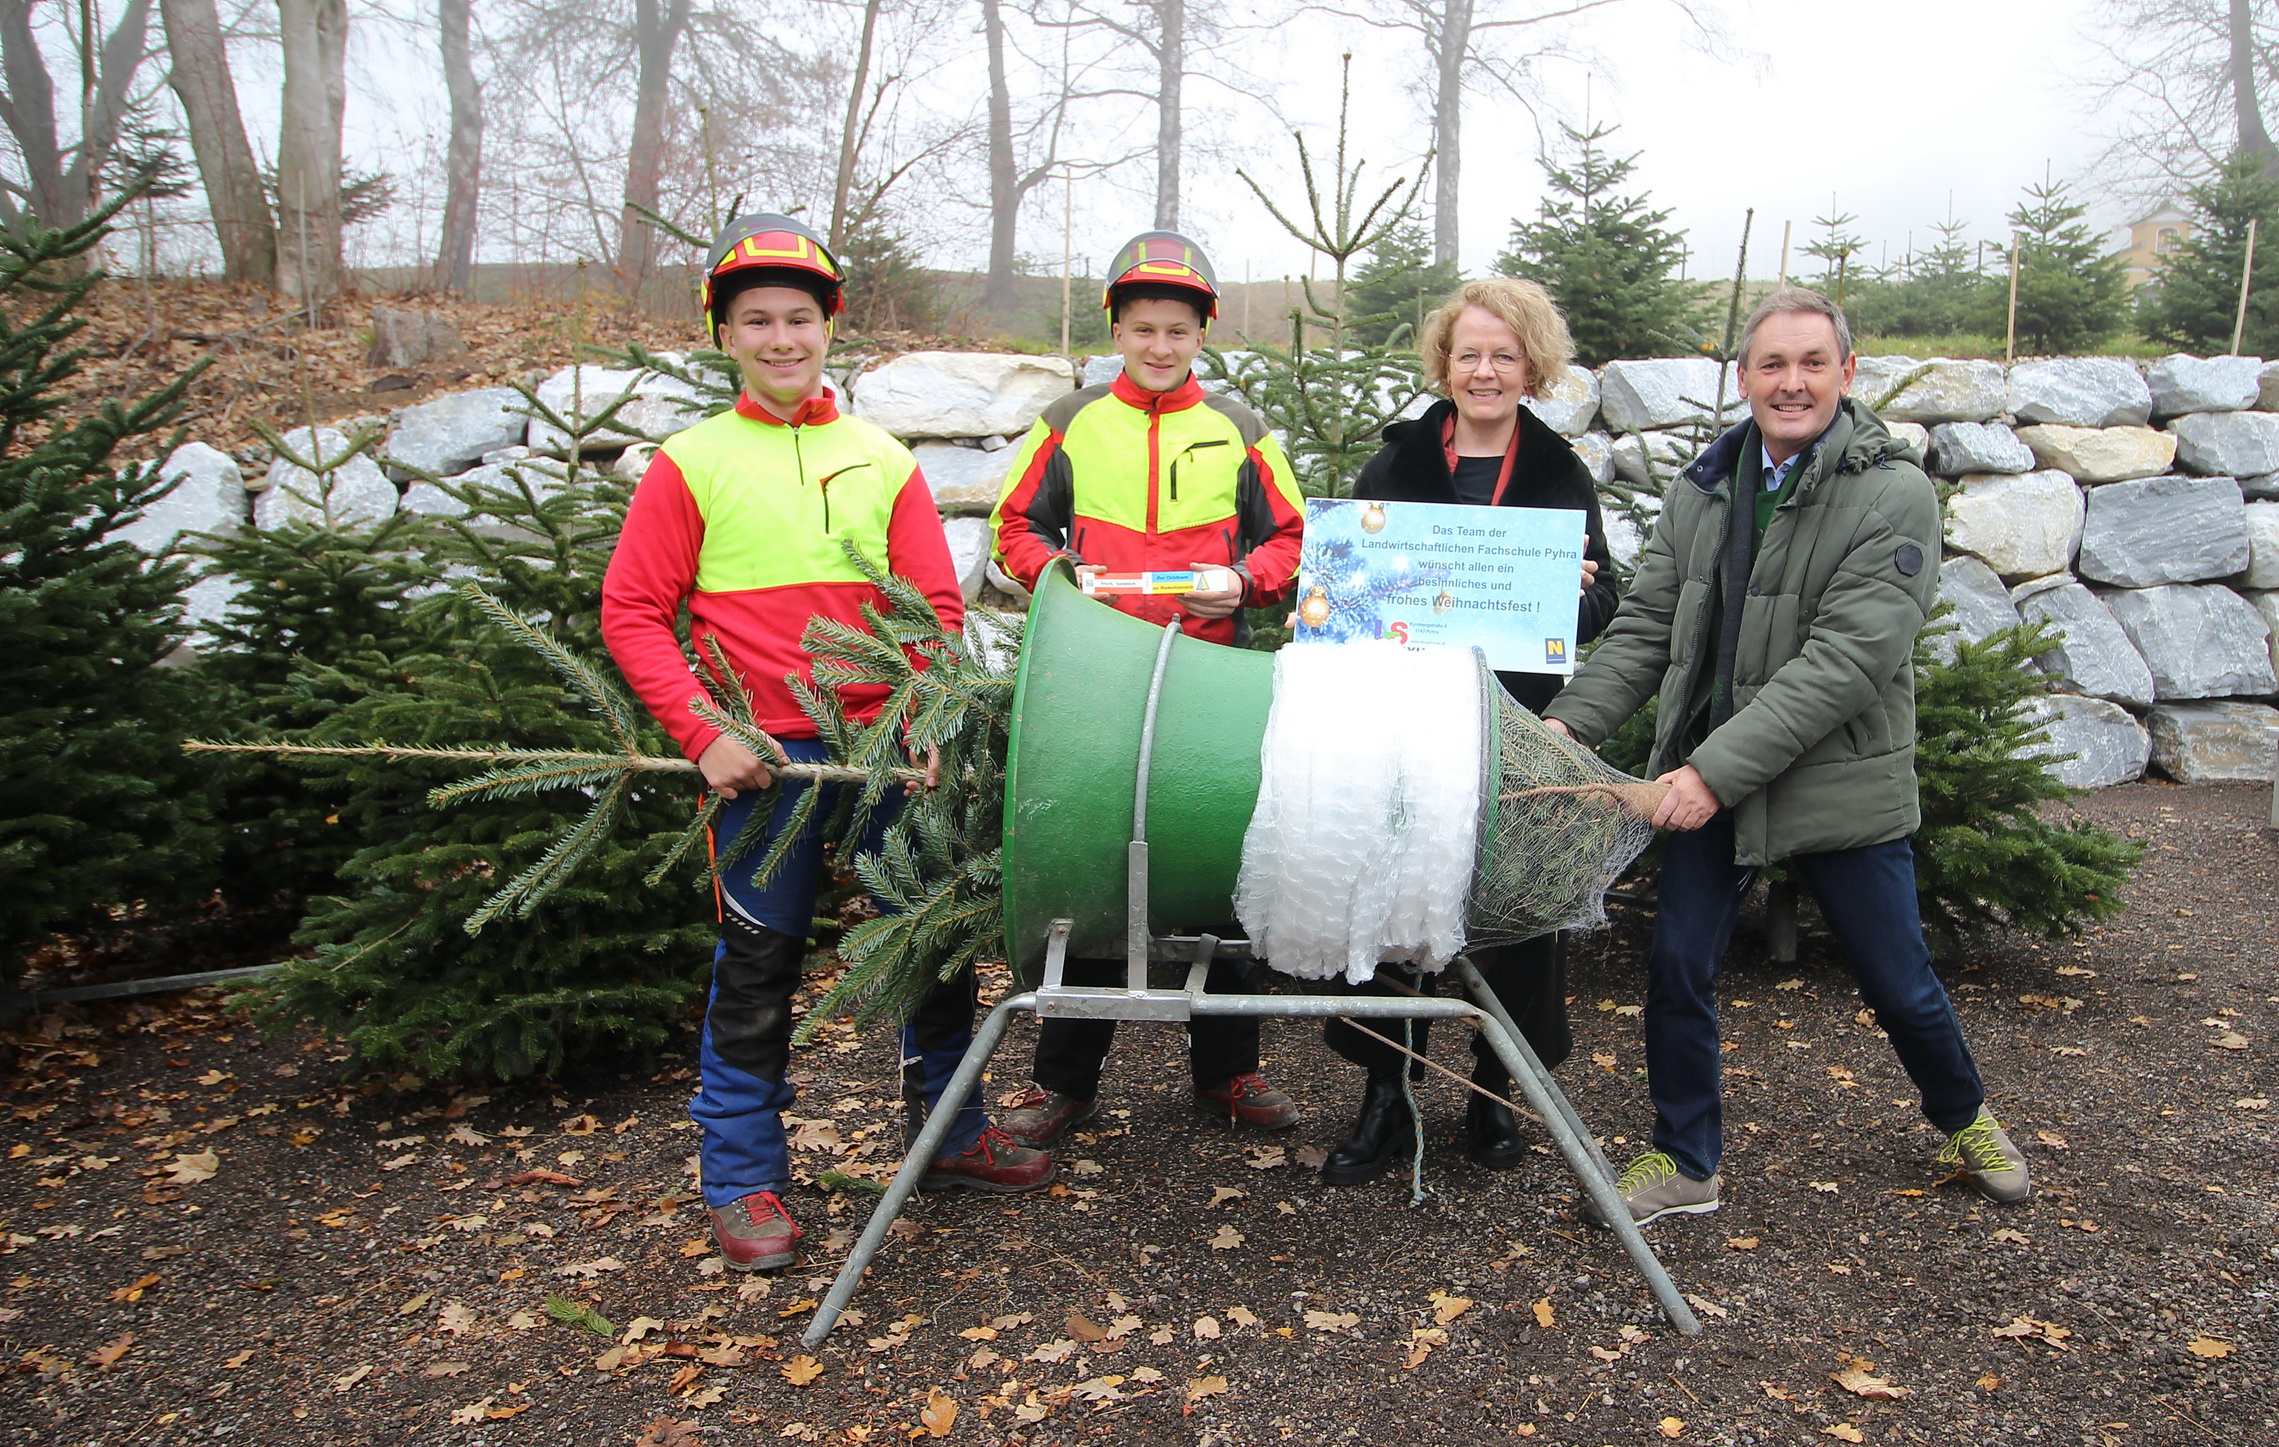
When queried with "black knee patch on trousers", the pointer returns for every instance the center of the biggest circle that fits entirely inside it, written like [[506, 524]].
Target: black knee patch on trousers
[[753, 982]]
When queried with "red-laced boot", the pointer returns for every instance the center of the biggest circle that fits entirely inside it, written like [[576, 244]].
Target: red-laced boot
[[755, 1232], [996, 1163], [1249, 1100]]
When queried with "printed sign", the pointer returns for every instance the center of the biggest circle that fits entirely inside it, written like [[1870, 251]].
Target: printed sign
[[1502, 579]]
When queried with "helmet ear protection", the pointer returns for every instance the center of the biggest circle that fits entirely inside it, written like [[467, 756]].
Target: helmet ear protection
[[769, 248], [1161, 262]]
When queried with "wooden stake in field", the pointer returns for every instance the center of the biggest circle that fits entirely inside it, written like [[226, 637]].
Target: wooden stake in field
[[2246, 275], [1067, 253], [2010, 336], [1786, 228]]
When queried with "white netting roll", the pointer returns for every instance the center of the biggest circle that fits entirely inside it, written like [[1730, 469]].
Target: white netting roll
[[1361, 849]]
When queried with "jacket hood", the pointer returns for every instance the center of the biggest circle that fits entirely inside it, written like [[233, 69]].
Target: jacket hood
[[1857, 438]]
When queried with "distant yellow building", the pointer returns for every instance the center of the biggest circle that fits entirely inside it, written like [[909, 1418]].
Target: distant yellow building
[[2153, 238]]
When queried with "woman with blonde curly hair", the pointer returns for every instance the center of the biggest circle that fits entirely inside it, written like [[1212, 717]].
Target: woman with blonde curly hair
[[1488, 348]]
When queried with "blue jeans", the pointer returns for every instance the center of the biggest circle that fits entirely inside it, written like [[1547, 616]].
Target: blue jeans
[[1867, 896], [755, 972]]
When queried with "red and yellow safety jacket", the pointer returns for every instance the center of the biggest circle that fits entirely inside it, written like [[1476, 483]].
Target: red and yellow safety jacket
[[1136, 480], [742, 517]]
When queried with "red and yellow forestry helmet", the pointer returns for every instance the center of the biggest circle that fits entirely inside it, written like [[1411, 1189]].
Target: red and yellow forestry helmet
[[751, 247], [1161, 259]]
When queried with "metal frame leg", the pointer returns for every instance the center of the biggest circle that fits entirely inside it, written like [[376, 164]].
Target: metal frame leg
[[914, 1163], [1477, 984]]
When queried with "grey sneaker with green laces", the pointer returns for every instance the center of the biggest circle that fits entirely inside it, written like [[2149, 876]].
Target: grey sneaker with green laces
[[1652, 1187], [1982, 1151]]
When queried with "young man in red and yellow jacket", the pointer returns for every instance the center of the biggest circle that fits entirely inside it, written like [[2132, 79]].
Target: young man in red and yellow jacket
[[1153, 472], [741, 518]]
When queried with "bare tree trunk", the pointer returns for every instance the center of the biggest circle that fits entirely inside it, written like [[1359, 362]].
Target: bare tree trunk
[[1004, 179], [1170, 71], [1449, 45], [63, 194], [463, 160], [315, 34], [657, 31], [845, 180], [2253, 138], [29, 104], [200, 76]]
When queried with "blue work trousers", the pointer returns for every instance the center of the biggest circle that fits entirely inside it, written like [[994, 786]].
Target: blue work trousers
[[755, 972], [1867, 895]]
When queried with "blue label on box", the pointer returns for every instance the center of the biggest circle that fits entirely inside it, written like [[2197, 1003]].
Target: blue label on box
[[1505, 580]]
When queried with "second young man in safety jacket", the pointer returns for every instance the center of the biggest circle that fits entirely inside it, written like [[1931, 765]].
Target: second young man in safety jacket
[[1151, 472]]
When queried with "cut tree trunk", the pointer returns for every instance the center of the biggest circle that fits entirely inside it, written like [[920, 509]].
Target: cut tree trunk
[[463, 160], [657, 27], [1450, 43], [200, 76], [1170, 72], [315, 34]]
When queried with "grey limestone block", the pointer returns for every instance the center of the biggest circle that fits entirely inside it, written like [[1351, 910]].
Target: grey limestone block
[[2228, 444], [1962, 447], [2196, 743], [1597, 453], [1649, 459], [451, 433], [653, 406], [1664, 392], [2266, 605], [1943, 391], [969, 552], [208, 497], [2262, 522], [1572, 405], [2164, 530], [2080, 392], [1100, 371], [958, 474], [352, 493], [1981, 602], [2025, 525], [2108, 745], [2200, 640], [2182, 384], [407, 338], [2093, 655], [960, 394]]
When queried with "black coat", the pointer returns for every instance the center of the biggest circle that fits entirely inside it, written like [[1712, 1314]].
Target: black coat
[[1413, 467]]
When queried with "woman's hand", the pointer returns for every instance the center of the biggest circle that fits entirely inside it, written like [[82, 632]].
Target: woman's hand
[[728, 766], [1590, 569]]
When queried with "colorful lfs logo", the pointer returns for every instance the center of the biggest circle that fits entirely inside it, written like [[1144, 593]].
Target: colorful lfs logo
[[1398, 632], [1554, 651]]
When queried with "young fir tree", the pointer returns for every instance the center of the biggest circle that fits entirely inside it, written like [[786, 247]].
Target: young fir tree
[[395, 966], [312, 593], [1939, 293], [98, 809], [2194, 301], [1986, 856], [1606, 258], [2071, 294], [1836, 251], [1327, 393], [1397, 287]]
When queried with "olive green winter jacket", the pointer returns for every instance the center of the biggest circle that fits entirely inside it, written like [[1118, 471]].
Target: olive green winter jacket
[[1819, 752]]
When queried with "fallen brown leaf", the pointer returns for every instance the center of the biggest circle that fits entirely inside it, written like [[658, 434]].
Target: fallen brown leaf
[[2208, 1348], [1084, 1328], [1545, 1317], [1861, 1383], [938, 1415], [108, 1356], [666, 1431], [801, 1370], [1843, 1432]]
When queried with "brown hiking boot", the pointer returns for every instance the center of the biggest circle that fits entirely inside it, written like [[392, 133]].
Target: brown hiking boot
[[1249, 1100], [1043, 1116], [755, 1232], [995, 1163]]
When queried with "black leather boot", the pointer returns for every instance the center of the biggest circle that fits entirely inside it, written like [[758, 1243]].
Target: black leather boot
[[1383, 1134], [1491, 1135]]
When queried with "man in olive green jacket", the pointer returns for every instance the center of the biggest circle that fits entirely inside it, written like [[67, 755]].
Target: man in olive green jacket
[[1778, 638]]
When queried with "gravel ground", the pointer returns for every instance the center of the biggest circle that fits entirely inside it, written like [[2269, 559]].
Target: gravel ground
[[212, 1236]]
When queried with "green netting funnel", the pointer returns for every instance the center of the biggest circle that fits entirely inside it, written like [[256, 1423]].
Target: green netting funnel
[[1078, 710]]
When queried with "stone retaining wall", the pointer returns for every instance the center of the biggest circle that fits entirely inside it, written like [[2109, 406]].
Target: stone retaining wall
[[2134, 508]]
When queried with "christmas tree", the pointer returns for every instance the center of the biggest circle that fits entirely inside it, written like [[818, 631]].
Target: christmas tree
[[98, 810], [1397, 287], [1987, 856], [2071, 295], [1607, 258], [2194, 301]]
